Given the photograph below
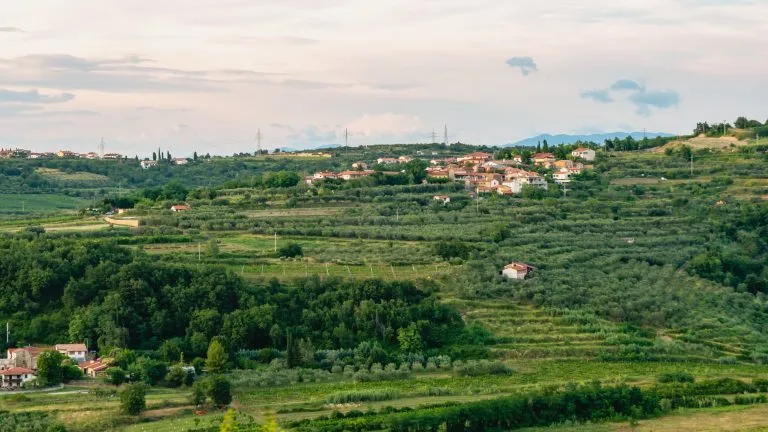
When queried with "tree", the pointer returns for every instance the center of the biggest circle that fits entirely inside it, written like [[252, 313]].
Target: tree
[[115, 376], [216, 361], [199, 392], [741, 122], [133, 399], [194, 156], [291, 250], [213, 248], [154, 156], [409, 338], [416, 170], [219, 390], [168, 155], [49, 368], [71, 373], [175, 377], [292, 352]]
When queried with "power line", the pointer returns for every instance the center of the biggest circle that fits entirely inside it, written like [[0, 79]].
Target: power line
[[434, 137], [445, 136], [258, 141]]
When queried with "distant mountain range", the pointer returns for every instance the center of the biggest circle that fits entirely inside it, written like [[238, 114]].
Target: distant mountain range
[[570, 139]]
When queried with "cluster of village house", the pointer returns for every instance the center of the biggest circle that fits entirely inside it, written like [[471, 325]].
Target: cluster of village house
[[20, 365], [63, 154], [481, 172], [147, 164]]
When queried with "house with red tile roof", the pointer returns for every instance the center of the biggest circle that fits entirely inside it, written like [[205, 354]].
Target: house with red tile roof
[[516, 271], [584, 153], [76, 352], [15, 377]]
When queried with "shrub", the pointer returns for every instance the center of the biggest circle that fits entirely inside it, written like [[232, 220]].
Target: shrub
[[291, 250], [482, 367], [219, 390], [133, 399], [115, 376], [362, 396], [678, 377]]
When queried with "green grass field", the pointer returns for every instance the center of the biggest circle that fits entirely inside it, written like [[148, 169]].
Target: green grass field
[[31, 204]]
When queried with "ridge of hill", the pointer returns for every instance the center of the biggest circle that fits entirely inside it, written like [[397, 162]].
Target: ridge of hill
[[569, 139]]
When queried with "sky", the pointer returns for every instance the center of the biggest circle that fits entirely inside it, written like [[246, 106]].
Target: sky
[[206, 75]]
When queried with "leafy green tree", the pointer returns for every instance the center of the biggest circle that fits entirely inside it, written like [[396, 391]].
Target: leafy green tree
[[451, 249], [219, 390], [217, 359], [292, 352], [154, 156], [176, 377], [410, 339], [291, 250], [150, 371], [199, 392], [170, 351], [50, 370], [416, 170], [115, 376], [213, 248], [194, 156], [133, 399], [71, 373]]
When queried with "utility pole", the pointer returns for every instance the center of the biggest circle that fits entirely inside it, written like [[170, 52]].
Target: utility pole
[[101, 148], [434, 137], [7, 333], [445, 136], [258, 142], [346, 137]]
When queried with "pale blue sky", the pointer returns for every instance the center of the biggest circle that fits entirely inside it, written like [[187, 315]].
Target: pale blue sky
[[205, 74]]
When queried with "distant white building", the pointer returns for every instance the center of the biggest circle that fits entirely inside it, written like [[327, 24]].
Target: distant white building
[[445, 199], [531, 179], [180, 161], [147, 164], [76, 352], [584, 153], [516, 271]]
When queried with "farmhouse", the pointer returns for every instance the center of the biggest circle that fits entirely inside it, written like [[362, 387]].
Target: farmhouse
[[24, 357], [405, 159], [147, 164], [529, 179], [350, 175], [15, 377], [444, 198], [180, 161], [476, 157], [543, 159], [584, 153], [66, 154], [112, 156], [387, 161], [95, 368], [516, 271], [76, 352], [179, 208], [360, 166]]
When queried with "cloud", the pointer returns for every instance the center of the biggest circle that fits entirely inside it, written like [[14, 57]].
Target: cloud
[[625, 84], [267, 40], [526, 64], [602, 96], [33, 97], [11, 30], [644, 101]]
